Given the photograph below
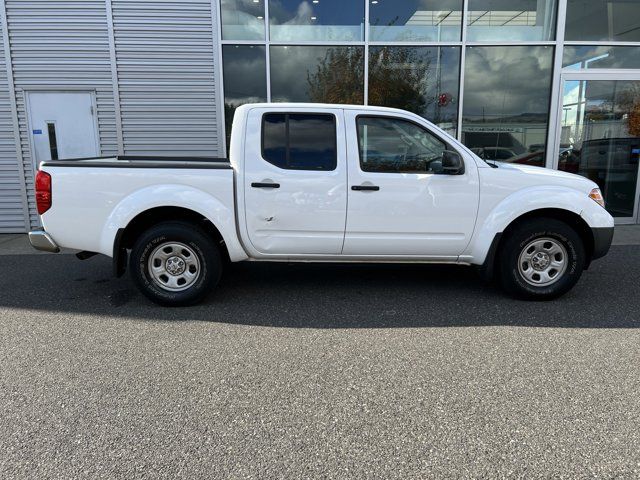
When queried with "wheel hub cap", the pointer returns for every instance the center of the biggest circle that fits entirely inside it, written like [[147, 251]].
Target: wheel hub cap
[[175, 266], [543, 261], [540, 261]]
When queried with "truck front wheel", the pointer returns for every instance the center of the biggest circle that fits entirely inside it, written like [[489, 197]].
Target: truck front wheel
[[175, 264], [541, 259]]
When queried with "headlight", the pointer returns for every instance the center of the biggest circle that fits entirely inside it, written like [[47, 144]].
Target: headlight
[[596, 196]]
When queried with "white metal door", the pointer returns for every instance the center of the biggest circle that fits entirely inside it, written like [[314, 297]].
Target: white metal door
[[62, 125], [598, 135], [294, 210], [408, 214]]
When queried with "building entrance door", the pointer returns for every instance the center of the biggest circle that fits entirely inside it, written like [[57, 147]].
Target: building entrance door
[[599, 135], [62, 125]]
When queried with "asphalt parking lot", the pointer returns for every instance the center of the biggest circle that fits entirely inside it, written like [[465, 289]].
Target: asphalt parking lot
[[336, 371]]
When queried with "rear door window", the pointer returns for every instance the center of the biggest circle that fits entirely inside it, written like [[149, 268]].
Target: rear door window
[[300, 141]]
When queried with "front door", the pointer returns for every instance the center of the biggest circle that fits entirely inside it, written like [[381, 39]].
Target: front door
[[294, 183], [599, 136], [62, 125], [400, 203]]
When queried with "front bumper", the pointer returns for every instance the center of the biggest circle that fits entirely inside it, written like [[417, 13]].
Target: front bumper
[[41, 240], [602, 238]]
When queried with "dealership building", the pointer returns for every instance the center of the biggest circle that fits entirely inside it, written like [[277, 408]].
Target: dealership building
[[553, 83]]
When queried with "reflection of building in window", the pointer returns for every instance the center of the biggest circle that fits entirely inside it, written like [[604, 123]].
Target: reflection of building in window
[[503, 18], [435, 18]]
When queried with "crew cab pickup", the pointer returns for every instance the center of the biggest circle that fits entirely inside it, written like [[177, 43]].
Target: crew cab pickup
[[323, 183]]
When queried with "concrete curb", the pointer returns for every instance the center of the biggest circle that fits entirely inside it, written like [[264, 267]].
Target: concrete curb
[[18, 244]]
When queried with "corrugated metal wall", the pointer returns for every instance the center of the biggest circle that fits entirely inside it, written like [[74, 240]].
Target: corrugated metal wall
[[166, 66], [12, 218], [60, 45], [165, 57]]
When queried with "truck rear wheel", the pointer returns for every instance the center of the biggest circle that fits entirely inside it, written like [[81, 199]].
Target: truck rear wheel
[[541, 259], [175, 264]]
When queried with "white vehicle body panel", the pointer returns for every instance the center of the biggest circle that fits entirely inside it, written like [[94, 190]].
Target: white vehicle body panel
[[314, 215], [91, 204], [413, 214], [306, 214]]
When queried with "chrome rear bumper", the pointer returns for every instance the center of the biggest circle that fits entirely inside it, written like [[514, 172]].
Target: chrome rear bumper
[[41, 240]]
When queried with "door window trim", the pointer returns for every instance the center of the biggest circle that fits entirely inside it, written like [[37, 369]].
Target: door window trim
[[287, 149], [447, 144]]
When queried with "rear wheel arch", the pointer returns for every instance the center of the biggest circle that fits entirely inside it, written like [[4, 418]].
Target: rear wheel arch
[[126, 237]]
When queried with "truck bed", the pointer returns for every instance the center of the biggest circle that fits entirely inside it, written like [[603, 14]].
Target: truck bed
[[94, 197]]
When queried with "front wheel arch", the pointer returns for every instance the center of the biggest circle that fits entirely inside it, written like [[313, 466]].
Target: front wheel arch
[[573, 220]]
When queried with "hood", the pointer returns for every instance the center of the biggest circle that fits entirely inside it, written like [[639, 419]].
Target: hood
[[548, 176]]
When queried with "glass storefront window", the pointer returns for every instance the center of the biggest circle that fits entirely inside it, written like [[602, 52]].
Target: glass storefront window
[[415, 20], [423, 80], [600, 138], [242, 19], [506, 102], [245, 78], [317, 74], [594, 56], [319, 20], [512, 20], [601, 20]]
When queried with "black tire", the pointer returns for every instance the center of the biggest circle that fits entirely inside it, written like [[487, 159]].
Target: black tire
[[511, 275], [173, 234]]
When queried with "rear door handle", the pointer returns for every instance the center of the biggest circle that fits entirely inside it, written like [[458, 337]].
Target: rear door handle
[[373, 188], [265, 185]]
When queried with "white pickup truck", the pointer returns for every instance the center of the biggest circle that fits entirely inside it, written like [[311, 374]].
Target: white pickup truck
[[323, 183]]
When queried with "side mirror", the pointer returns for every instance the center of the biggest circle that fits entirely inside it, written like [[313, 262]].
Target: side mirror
[[452, 163]]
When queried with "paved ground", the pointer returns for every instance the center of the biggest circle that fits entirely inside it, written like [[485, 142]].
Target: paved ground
[[318, 371]]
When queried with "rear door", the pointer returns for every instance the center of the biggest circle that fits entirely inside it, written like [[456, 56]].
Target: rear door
[[295, 177]]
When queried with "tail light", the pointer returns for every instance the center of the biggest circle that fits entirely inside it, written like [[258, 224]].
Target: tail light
[[43, 191]]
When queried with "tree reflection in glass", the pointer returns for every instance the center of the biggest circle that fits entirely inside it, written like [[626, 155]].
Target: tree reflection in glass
[[422, 80], [317, 74]]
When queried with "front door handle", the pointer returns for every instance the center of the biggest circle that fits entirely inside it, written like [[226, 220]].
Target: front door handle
[[265, 185], [372, 188]]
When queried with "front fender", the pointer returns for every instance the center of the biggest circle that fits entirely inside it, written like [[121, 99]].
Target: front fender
[[168, 195], [502, 214]]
